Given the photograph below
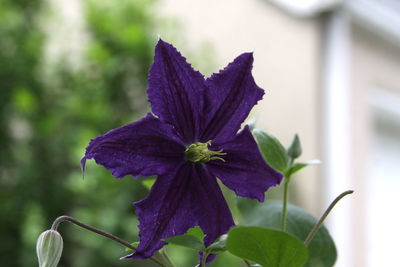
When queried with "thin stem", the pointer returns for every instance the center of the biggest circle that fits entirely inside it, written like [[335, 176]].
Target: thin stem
[[247, 263], [316, 227], [204, 259], [285, 200], [98, 231]]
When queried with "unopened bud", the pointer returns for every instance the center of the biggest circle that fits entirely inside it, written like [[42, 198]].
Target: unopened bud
[[294, 150], [49, 248]]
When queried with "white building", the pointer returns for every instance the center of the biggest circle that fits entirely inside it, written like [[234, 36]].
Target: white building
[[332, 74]]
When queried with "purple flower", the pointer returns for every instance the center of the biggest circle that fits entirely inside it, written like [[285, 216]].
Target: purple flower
[[190, 139]]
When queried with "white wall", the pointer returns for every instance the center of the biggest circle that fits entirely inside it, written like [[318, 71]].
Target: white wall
[[375, 64], [286, 52]]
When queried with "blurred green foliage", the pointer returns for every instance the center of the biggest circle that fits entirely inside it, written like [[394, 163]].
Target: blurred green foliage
[[46, 121]]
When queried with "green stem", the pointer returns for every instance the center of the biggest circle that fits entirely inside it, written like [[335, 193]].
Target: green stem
[[285, 200], [100, 232], [204, 259], [316, 227]]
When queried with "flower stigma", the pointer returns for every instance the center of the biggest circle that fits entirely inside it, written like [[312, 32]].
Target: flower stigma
[[199, 152]]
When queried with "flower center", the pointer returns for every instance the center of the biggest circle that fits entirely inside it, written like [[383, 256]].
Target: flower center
[[199, 152]]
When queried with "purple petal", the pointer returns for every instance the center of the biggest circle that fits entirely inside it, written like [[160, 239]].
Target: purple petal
[[244, 169], [209, 206], [231, 95], [143, 148], [178, 201], [176, 92], [165, 212]]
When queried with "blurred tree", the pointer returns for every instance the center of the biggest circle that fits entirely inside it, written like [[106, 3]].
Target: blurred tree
[[20, 51], [47, 120]]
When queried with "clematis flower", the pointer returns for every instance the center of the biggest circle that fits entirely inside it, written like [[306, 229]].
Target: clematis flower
[[191, 137]]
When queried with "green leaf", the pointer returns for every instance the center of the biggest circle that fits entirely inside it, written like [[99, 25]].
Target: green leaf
[[197, 232], [300, 165], [187, 241], [148, 183], [296, 167], [268, 247], [135, 244], [218, 246], [192, 239], [294, 150], [272, 150], [322, 250]]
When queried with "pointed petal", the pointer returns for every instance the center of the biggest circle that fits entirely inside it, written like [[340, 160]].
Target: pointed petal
[[186, 198], [143, 148], [176, 92], [209, 205], [231, 95], [165, 212], [244, 169]]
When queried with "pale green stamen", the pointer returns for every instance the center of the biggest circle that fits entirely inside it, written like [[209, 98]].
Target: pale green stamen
[[199, 152]]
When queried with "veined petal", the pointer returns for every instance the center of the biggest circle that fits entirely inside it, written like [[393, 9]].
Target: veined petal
[[178, 201], [143, 148], [244, 170], [209, 205], [231, 95], [166, 212], [176, 92]]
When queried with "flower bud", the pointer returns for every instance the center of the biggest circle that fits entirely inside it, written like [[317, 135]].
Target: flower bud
[[49, 248]]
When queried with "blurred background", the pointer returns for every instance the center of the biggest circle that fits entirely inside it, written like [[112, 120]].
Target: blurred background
[[71, 70]]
